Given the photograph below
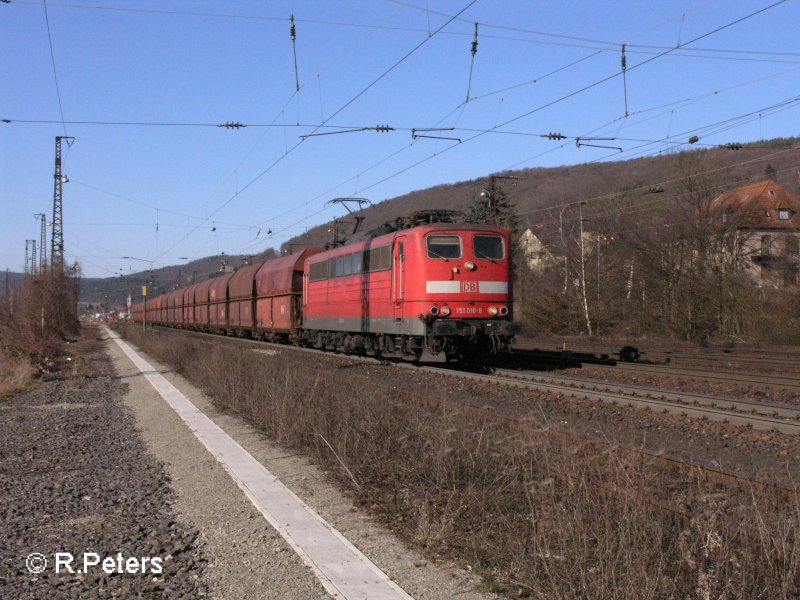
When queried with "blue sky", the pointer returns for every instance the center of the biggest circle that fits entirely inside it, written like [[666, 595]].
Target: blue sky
[[182, 187]]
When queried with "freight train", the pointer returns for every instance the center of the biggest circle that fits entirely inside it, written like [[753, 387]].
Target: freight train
[[437, 288]]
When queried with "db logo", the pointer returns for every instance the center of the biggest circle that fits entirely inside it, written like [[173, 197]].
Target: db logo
[[469, 286]]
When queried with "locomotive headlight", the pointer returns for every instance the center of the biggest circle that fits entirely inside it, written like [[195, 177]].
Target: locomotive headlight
[[503, 311], [445, 310], [469, 265], [493, 311], [434, 310]]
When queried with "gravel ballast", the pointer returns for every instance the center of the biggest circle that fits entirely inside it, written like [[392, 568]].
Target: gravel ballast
[[76, 478]]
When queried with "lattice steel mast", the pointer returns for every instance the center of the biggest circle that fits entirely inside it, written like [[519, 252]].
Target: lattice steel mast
[[42, 218], [57, 246]]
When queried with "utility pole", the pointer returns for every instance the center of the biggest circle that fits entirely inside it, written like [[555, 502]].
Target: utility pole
[[57, 247], [42, 218]]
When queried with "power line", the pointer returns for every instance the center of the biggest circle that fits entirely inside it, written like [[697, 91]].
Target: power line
[[599, 44], [326, 126], [571, 94], [338, 111], [226, 125], [609, 44], [644, 62], [490, 130], [53, 61]]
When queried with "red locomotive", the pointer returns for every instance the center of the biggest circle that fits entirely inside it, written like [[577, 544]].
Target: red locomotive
[[440, 288]]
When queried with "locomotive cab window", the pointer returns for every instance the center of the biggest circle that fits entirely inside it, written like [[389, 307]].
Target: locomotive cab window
[[444, 246], [488, 246]]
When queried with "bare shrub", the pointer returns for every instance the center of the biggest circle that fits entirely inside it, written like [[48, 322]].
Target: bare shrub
[[35, 318]]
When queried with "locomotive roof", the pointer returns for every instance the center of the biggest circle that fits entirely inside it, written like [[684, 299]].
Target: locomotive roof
[[421, 230]]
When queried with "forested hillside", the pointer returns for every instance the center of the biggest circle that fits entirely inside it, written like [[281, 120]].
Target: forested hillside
[[602, 185]]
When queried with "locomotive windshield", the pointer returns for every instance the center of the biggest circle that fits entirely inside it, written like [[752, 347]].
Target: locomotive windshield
[[488, 246], [444, 246]]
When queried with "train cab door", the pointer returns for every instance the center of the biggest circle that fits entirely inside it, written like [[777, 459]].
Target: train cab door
[[398, 277]]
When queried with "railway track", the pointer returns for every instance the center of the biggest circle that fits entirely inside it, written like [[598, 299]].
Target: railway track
[[750, 360], [524, 358], [759, 415], [788, 360], [763, 416], [780, 382]]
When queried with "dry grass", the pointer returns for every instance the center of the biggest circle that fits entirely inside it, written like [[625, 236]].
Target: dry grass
[[536, 513], [16, 374]]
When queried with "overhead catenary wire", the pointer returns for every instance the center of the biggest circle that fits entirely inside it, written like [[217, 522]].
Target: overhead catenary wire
[[405, 169], [337, 112], [562, 98], [609, 44], [569, 95], [55, 72], [638, 65], [600, 44], [715, 128]]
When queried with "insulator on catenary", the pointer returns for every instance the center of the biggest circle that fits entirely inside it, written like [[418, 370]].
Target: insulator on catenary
[[624, 64], [293, 33], [474, 51]]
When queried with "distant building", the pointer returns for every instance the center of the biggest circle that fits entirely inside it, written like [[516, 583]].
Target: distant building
[[536, 253], [765, 221]]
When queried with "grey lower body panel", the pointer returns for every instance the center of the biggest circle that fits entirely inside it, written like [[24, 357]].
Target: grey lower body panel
[[376, 325], [439, 327]]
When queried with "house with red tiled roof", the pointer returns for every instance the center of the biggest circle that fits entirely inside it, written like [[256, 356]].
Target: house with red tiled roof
[[765, 220]]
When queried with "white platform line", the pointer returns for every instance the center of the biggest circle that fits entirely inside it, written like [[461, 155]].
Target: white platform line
[[341, 567]]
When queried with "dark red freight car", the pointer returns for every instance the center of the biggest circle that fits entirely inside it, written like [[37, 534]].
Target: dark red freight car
[[201, 294], [241, 300], [218, 303], [279, 288]]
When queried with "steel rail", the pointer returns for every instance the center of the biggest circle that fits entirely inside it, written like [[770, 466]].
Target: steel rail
[[746, 357], [771, 381], [715, 414], [747, 406]]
